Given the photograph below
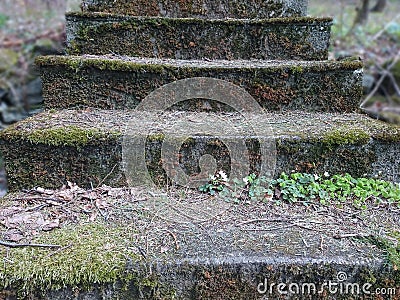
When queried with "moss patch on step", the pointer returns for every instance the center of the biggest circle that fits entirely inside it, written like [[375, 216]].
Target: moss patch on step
[[67, 135], [345, 135], [125, 63], [90, 254]]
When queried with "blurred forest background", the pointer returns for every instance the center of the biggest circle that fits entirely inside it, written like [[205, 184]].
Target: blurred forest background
[[369, 29]]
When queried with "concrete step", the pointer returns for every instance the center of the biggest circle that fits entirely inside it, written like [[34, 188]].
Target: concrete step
[[92, 147], [303, 38], [123, 82], [210, 9], [227, 252]]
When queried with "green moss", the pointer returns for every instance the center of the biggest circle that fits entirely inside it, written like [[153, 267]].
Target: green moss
[[391, 247], [297, 69], [281, 20], [77, 63], [94, 254], [61, 136], [156, 137], [344, 136]]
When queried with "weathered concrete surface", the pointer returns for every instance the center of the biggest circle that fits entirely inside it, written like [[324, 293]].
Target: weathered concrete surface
[[242, 277], [119, 83], [202, 247], [211, 9], [302, 38], [86, 146]]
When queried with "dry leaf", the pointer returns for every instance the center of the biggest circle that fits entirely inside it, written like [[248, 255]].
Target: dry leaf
[[66, 195], [93, 216], [164, 249], [13, 235], [44, 191], [101, 204], [30, 220], [51, 224], [91, 195]]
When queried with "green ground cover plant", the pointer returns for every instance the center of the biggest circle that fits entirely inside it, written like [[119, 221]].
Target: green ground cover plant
[[305, 188]]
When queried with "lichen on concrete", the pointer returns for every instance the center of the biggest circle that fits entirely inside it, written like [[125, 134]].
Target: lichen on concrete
[[336, 143], [119, 83], [302, 38], [212, 9]]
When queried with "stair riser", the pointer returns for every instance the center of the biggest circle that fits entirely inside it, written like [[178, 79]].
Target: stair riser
[[283, 39], [211, 9], [28, 166], [83, 83], [246, 280]]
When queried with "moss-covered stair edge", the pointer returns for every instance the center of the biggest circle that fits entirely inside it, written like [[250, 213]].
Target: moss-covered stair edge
[[118, 83], [105, 263], [222, 281], [211, 9], [37, 154], [302, 38]]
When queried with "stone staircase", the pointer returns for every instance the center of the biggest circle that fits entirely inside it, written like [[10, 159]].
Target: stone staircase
[[255, 78]]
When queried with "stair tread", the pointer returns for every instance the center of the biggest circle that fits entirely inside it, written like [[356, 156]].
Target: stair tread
[[295, 124], [117, 62], [195, 248]]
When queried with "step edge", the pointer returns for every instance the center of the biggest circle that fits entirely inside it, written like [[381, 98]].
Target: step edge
[[94, 16], [117, 63]]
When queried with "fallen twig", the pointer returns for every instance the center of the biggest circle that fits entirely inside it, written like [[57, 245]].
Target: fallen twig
[[175, 239], [350, 235], [264, 220], [105, 178], [59, 250], [15, 245]]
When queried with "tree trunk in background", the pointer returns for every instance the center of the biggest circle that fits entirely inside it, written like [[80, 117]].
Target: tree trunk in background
[[379, 6], [362, 14]]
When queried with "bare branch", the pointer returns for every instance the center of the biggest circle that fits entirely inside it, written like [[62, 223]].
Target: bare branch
[[15, 245]]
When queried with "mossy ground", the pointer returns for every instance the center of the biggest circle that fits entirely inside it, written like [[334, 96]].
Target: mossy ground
[[89, 254]]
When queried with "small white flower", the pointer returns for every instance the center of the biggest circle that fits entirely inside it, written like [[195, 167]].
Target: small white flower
[[316, 177], [246, 180], [223, 175], [212, 177], [326, 174]]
